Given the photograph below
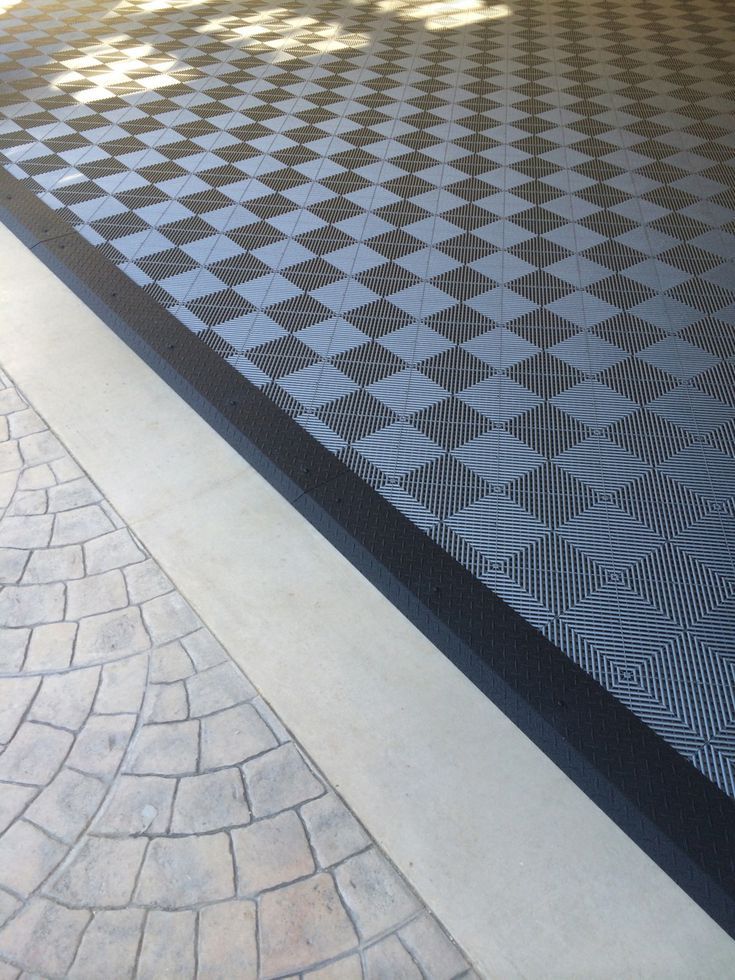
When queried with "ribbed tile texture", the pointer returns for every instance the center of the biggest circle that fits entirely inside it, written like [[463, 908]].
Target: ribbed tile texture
[[482, 252]]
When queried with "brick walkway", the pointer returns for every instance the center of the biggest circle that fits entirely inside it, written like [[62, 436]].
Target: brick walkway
[[156, 819]]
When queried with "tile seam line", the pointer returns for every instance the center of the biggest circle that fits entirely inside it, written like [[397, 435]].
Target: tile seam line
[[586, 773]]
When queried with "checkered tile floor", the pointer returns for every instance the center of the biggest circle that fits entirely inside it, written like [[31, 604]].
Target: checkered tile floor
[[482, 252]]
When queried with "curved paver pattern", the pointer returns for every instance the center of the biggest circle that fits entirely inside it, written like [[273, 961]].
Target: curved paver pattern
[[156, 819]]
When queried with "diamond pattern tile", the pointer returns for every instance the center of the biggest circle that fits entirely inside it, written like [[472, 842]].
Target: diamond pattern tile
[[484, 253]]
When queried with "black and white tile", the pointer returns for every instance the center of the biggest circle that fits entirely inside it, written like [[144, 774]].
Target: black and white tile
[[482, 252]]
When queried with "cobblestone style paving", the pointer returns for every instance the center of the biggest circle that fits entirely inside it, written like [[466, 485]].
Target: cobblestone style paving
[[156, 819]]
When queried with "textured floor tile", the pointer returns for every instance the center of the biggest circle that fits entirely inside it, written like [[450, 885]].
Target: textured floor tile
[[54, 565], [103, 873], [13, 650], [35, 754], [41, 447], [110, 636], [347, 968], [109, 946], [51, 646], [432, 949], [65, 700], [234, 735], [170, 663], [69, 496], [16, 694], [145, 581], [211, 801], [168, 617], [43, 937], [111, 550], [389, 959], [166, 750], [29, 502], [12, 564], [65, 468], [227, 942], [24, 532], [166, 702], [301, 925], [96, 594], [28, 605], [36, 477], [333, 831], [204, 650], [137, 804], [8, 906], [122, 686], [271, 852], [100, 745], [13, 800], [272, 720], [11, 401], [80, 525], [376, 895], [67, 804], [168, 946], [220, 687], [278, 780], [27, 857], [128, 854], [186, 871]]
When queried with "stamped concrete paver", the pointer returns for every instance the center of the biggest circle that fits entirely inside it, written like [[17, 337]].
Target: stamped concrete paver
[[210, 801], [156, 818], [271, 852], [302, 923], [109, 947]]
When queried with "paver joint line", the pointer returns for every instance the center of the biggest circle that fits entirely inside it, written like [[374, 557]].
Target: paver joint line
[[156, 818]]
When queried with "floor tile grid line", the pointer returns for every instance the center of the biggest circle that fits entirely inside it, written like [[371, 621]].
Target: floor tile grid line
[[193, 49], [331, 140], [232, 56], [507, 46], [363, 68], [303, 207], [507, 123], [626, 148], [152, 144], [131, 111], [274, 141], [615, 111], [597, 53], [349, 275], [462, 47], [368, 210]]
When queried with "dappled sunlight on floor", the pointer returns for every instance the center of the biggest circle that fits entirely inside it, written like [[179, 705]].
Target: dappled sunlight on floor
[[442, 15]]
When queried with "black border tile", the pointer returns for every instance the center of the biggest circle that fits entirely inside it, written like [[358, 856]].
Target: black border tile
[[673, 812]]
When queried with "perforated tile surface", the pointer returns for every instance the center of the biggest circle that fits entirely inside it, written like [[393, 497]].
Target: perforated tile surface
[[483, 253]]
